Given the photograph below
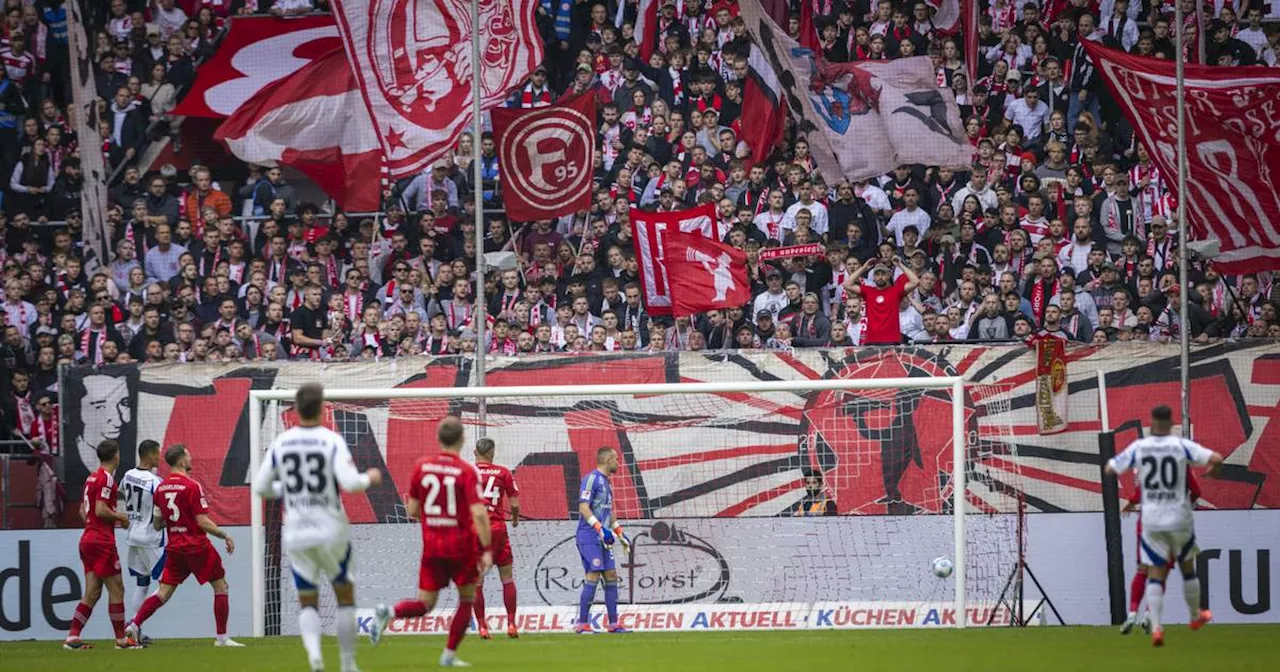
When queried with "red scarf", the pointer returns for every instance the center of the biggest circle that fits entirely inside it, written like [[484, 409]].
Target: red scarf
[[331, 270], [26, 414], [354, 306], [1039, 300], [1166, 256], [454, 321], [85, 344]]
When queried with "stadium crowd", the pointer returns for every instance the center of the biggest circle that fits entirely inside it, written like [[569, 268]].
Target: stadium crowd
[[1060, 227]]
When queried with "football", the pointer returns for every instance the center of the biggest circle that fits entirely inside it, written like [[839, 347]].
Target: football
[[942, 567]]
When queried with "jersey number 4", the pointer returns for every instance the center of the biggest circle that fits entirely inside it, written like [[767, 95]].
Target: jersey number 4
[[431, 505], [491, 491]]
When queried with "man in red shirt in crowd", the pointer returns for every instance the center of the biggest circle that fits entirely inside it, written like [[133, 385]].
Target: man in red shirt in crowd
[[882, 299], [497, 483], [98, 549], [180, 508], [445, 496]]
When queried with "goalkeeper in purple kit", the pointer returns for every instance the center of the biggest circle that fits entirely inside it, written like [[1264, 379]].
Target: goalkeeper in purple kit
[[597, 532]]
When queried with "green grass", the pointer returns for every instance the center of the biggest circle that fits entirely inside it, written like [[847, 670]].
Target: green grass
[[1217, 649]]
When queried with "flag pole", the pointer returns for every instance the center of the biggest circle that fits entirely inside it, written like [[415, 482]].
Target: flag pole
[[478, 195], [1184, 333]]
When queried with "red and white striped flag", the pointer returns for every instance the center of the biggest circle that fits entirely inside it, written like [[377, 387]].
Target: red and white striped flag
[[313, 120]]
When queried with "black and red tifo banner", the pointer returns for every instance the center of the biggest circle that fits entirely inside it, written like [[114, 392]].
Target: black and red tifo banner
[[679, 456]]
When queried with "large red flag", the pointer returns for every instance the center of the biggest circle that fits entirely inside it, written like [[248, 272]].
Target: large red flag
[[705, 274], [969, 26], [257, 52], [412, 59], [312, 120], [544, 156], [648, 230], [762, 129], [1233, 148]]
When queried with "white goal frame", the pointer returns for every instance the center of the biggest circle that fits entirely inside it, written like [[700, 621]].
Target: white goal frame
[[259, 398]]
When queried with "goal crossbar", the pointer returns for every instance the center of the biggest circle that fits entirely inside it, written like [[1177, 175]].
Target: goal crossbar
[[955, 384]]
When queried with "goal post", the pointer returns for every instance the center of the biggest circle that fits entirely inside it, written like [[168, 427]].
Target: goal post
[[889, 552]]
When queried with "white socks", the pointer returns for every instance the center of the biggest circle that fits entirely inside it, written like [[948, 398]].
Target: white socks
[[134, 598], [1191, 590], [1155, 603], [309, 628], [347, 636]]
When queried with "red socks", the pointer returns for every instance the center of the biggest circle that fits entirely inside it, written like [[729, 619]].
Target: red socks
[[1137, 588], [410, 609], [508, 599], [83, 612], [149, 607], [221, 607], [116, 613], [458, 628], [479, 607]]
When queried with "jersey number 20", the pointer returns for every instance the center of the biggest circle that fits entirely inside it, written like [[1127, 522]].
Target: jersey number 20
[[430, 504], [1159, 473]]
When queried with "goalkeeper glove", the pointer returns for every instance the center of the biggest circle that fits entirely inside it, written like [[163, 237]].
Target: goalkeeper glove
[[607, 537], [621, 536]]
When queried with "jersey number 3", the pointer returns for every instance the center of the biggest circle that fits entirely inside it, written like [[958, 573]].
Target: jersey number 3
[[430, 505]]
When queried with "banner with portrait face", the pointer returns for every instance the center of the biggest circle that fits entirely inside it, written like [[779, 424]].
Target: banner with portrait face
[[97, 404]]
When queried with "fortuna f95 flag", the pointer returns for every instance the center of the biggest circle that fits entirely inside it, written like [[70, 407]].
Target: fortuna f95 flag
[[412, 59], [648, 230], [1232, 141], [704, 274], [862, 119], [545, 156]]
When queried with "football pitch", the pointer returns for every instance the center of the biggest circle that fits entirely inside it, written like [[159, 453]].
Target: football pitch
[[1219, 648]]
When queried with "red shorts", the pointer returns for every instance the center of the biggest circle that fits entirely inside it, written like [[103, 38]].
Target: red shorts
[[203, 563], [500, 544], [101, 560], [435, 573]]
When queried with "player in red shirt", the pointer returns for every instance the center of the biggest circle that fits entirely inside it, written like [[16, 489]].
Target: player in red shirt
[[1138, 588], [445, 496], [882, 298], [98, 549], [181, 509], [496, 484]]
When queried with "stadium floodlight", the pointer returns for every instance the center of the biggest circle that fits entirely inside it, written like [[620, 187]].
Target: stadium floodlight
[[725, 462]]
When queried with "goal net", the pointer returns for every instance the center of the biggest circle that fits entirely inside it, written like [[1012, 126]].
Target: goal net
[[723, 487]]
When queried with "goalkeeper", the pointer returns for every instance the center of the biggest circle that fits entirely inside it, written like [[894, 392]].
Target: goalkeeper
[[597, 532]]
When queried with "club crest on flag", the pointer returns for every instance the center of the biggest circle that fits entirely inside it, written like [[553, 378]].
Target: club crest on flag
[[413, 62], [546, 157]]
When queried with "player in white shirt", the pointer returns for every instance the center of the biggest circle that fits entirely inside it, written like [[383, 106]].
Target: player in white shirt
[[145, 558], [1168, 529], [306, 466]]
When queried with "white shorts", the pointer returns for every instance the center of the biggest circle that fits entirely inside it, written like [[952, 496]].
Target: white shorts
[[146, 562], [312, 566], [1159, 549]]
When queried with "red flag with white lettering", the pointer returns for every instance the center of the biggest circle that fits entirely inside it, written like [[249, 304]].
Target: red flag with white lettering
[[544, 156], [413, 62], [1233, 148], [705, 274], [648, 230]]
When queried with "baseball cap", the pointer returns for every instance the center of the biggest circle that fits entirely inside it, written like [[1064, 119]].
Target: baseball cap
[[772, 271], [880, 267], [1014, 75], [763, 313]]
